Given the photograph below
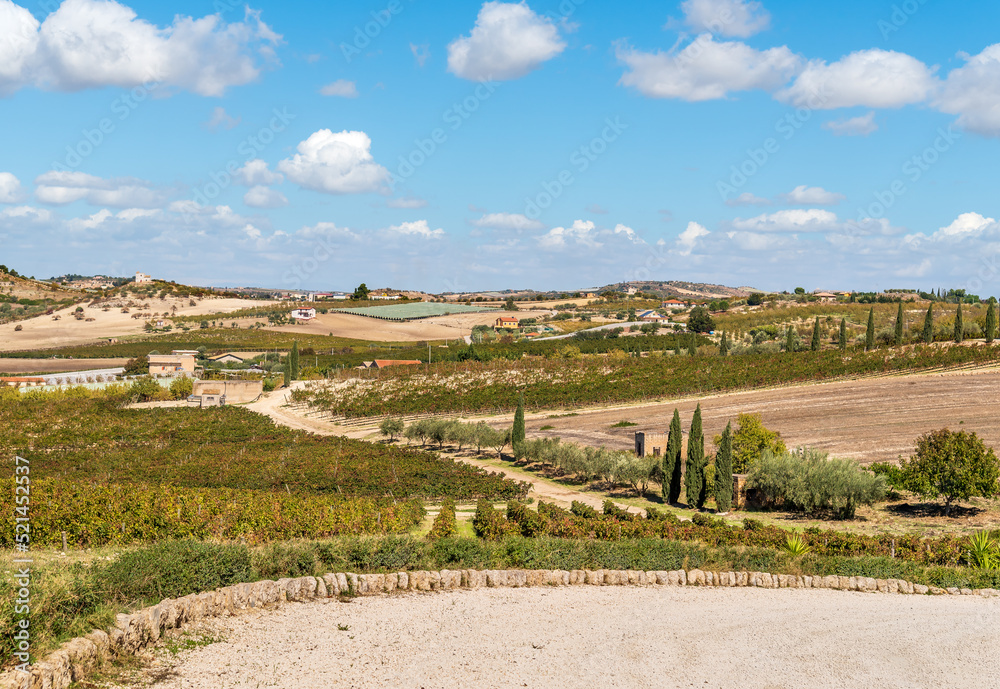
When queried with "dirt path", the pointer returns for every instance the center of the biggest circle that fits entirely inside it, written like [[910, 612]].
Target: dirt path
[[586, 637]]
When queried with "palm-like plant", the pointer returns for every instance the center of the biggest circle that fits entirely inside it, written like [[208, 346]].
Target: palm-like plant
[[794, 545], [984, 551]]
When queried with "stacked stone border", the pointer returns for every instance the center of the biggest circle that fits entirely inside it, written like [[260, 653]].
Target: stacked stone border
[[132, 633]]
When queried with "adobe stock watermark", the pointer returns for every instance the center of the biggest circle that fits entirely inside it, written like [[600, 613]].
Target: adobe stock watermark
[[454, 117], [321, 252], [91, 139], [365, 33], [900, 14], [580, 160], [249, 148], [786, 127], [21, 634]]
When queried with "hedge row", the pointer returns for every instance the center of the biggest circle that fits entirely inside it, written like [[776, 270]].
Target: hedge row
[[615, 525], [122, 514]]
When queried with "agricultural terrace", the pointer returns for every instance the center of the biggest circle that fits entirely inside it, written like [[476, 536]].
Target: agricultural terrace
[[493, 387], [414, 311], [108, 474]]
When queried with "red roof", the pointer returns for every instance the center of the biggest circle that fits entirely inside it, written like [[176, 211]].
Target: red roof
[[507, 319], [21, 380], [382, 363]]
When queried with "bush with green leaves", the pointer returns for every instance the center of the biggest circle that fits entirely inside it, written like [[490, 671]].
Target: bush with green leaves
[[181, 388], [808, 481], [751, 439], [391, 427], [445, 523]]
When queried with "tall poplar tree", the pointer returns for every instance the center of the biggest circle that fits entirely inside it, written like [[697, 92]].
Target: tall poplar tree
[[843, 334], [814, 345], [723, 487], [870, 333], [991, 320], [959, 333], [929, 324], [694, 470], [673, 465], [899, 325]]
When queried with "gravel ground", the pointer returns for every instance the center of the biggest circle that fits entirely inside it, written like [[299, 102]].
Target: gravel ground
[[606, 637]]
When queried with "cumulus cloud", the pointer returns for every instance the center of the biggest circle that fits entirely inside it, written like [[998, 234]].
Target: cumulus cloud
[[706, 69], [914, 271], [29, 213], [342, 88], [335, 163], [264, 197], [10, 188], [254, 172], [688, 239], [966, 225], [854, 126], [811, 196], [99, 43], [581, 232], [508, 221], [872, 78], [418, 228], [747, 199], [972, 92], [794, 221], [60, 188], [507, 42], [740, 18]]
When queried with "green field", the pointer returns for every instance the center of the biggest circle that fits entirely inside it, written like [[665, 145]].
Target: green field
[[413, 311]]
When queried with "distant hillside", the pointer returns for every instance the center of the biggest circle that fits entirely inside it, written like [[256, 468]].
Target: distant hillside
[[22, 297], [684, 290]]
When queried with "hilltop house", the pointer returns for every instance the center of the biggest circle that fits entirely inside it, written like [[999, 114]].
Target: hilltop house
[[673, 305], [142, 277], [506, 322]]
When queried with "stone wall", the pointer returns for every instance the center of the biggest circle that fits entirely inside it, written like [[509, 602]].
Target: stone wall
[[131, 633], [236, 391]]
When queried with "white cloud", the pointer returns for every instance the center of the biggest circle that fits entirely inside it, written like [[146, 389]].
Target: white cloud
[[408, 203], [917, 271], [755, 241], [221, 119], [854, 126], [418, 228], [741, 18], [967, 225], [342, 88], [335, 163], [628, 233], [581, 232], [706, 69], [99, 43], [264, 197], [811, 196], [132, 214], [60, 188], [255, 172], [27, 213], [10, 188], [507, 42], [973, 92], [872, 78], [508, 221], [748, 199], [688, 239], [812, 220]]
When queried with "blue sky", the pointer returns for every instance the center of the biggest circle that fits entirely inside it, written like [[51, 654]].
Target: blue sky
[[460, 146]]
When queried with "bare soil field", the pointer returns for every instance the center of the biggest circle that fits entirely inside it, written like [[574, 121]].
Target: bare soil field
[[870, 420], [17, 367], [44, 332], [453, 327], [602, 637]]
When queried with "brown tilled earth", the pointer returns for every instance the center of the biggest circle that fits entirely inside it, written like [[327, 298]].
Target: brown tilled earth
[[871, 420]]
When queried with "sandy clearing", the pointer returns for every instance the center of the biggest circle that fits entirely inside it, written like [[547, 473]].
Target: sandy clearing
[[44, 332], [19, 366], [349, 325], [607, 637]]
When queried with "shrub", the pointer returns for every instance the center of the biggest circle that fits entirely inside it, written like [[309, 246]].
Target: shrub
[[750, 440], [145, 389], [490, 524], [391, 427], [445, 524], [181, 388], [582, 510], [810, 482]]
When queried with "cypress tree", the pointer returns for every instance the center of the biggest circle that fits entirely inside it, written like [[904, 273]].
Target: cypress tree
[[293, 362], [929, 324], [991, 320], [517, 432], [724, 344], [789, 339], [814, 345], [692, 345], [694, 471], [672, 463], [870, 333], [724, 471], [843, 334], [959, 326], [677, 345], [899, 325]]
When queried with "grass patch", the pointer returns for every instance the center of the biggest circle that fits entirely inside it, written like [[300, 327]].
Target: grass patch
[[623, 424]]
